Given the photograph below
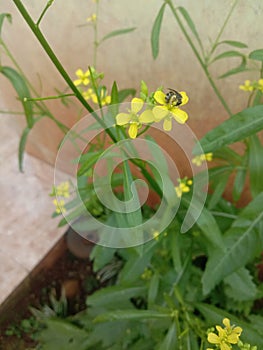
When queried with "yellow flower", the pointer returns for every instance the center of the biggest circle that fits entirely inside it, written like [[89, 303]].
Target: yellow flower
[[133, 119], [83, 77], [104, 98], [169, 110], [60, 206], [260, 85], [88, 94], [247, 86], [62, 189], [92, 18], [183, 186], [198, 160], [226, 336]]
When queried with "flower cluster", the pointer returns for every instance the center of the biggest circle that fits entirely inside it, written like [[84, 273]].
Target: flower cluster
[[226, 336], [163, 109], [62, 190], [183, 187], [84, 79], [252, 86], [198, 160]]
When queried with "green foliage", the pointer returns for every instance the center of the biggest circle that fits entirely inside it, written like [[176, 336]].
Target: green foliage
[[166, 293]]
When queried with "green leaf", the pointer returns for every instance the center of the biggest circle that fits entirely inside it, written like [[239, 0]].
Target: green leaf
[[22, 90], [240, 178], [87, 160], [130, 314], [125, 93], [255, 163], [143, 90], [155, 35], [240, 286], [134, 267], [170, 340], [243, 241], [114, 296], [117, 32], [233, 43], [218, 190], [239, 69], [114, 105], [256, 55], [228, 54], [62, 335], [236, 128], [101, 256], [153, 288], [215, 316], [21, 148], [2, 17], [190, 23]]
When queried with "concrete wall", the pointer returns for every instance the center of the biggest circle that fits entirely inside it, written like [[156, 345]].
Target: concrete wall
[[127, 59]]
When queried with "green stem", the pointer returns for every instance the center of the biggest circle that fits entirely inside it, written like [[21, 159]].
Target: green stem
[[190, 42], [222, 30], [95, 40], [58, 65], [49, 3], [47, 97]]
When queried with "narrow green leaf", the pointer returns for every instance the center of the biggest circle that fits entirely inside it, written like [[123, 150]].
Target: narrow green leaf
[[242, 242], [190, 23], [155, 35], [256, 55], [239, 69], [22, 90], [114, 105], [239, 181], [134, 218], [21, 148], [125, 93], [153, 288], [228, 54], [2, 17], [117, 32], [114, 295], [170, 340], [215, 316], [237, 128], [240, 286], [131, 314], [234, 43], [60, 334], [218, 190], [255, 162], [101, 256]]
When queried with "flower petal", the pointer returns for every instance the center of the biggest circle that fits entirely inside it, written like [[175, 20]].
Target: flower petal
[[160, 112], [133, 130], [213, 338], [226, 321], [123, 118], [147, 117], [79, 73], [179, 115], [159, 97], [185, 98], [136, 105], [167, 124]]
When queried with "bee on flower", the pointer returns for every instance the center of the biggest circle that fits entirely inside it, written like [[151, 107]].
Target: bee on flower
[[169, 107]]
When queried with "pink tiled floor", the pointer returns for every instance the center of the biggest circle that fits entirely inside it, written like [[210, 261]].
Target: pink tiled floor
[[27, 231]]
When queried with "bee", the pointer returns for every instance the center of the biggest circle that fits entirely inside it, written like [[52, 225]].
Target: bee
[[173, 97]]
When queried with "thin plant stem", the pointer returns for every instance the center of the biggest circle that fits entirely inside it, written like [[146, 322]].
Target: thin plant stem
[[58, 65], [203, 65], [222, 30], [95, 39], [49, 3], [48, 97]]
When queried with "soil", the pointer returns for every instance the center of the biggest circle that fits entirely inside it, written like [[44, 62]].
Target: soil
[[69, 273]]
